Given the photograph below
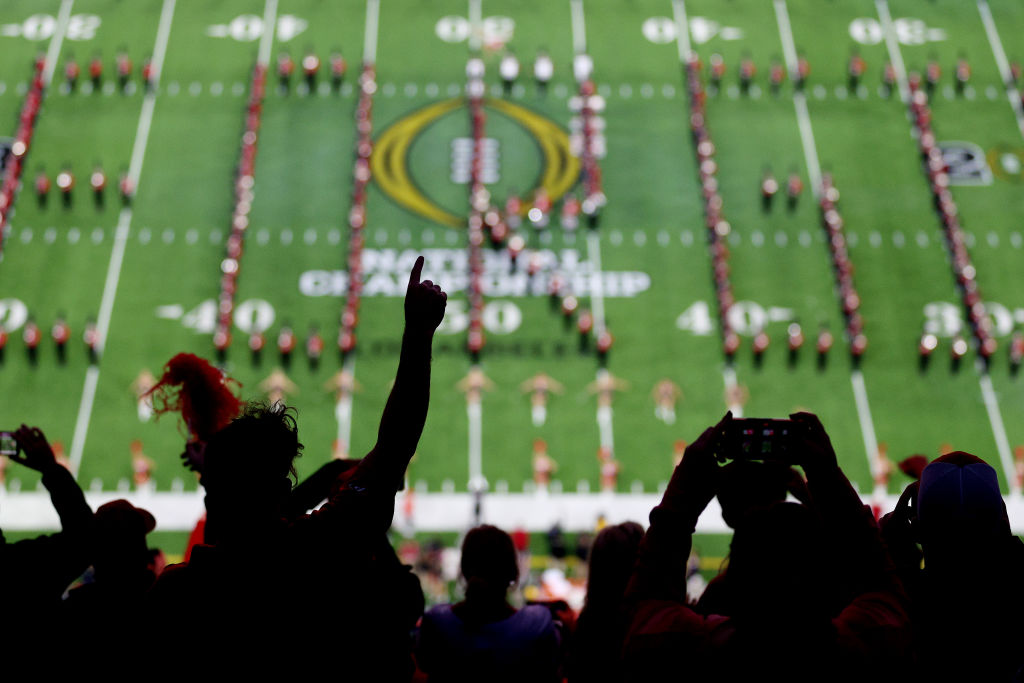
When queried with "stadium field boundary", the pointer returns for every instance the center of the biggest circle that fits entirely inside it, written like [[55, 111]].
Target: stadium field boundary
[[988, 394], [92, 374], [803, 117], [431, 512], [1012, 93]]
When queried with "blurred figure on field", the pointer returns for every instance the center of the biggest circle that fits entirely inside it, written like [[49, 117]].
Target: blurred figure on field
[[277, 386], [540, 387], [666, 394], [142, 466], [544, 466], [42, 186], [543, 70], [143, 386], [338, 69], [484, 638]]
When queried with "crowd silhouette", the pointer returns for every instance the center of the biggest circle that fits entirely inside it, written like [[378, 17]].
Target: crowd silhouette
[[814, 589]]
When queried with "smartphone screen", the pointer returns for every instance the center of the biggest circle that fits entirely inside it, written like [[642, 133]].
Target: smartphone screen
[[8, 444]]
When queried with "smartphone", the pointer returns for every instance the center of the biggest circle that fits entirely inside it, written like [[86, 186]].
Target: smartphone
[[8, 444], [755, 439]]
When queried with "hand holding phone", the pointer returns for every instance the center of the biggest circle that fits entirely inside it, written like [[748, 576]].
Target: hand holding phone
[[756, 439], [33, 450]]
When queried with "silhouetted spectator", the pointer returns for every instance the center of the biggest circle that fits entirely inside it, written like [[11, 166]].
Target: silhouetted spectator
[[324, 583], [596, 645], [107, 612], [965, 600], [484, 638], [35, 572], [784, 625], [556, 542]]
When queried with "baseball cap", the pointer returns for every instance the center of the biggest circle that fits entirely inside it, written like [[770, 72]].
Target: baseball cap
[[959, 491]]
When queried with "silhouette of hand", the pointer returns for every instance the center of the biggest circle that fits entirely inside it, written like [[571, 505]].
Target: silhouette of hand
[[192, 456], [33, 450], [812, 447], [698, 469], [424, 302]]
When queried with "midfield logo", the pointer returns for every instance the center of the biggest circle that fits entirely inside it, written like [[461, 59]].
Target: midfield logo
[[390, 160]]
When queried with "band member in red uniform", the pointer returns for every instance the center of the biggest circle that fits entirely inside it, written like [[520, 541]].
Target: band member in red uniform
[[584, 325], [285, 69], [1015, 73], [314, 347], [338, 69], [855, 70], [776, 76], [31, 335], [717, 66], [824, 345], [803, 72], [963, 74], [769, 188], [147, 73], [66, 185], [569, 306], [513, 207], [508, 69], [91, 337], [310, 69], [61, 333], [3, 341], [889, 79], [605, 340], [42, 185], [760, 345], [794, 186], [543, 70], [221, 343], [929, 342], [126, 187], [257, 341], [958, 350], [747, 73], [98, 181], [71, 73], [932, 75], [124, 70], [96, 72], [285, 345], [570, 212], [1016, 351], [794, 340]]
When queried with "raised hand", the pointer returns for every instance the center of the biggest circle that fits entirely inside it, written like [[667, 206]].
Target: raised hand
[[33, 449], [811, 445], [424, 302]]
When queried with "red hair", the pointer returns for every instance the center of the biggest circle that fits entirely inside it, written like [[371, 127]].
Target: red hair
[[203, 395]]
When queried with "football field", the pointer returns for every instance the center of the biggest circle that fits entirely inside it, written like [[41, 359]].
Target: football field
[[152, 273]]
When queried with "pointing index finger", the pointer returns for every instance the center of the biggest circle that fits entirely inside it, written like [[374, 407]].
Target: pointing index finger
[[414, 276]]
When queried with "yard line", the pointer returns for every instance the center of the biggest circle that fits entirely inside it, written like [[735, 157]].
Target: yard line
[[995, 417], [579, 27], [343, 408], [860, 392], [988, 393], [370, 35], [1012, 93], [803, 117], [729, 377], [63, 17], [475, 25], [682, 30], [267, 39], [474, 411], [894, 49], [124, 220], [596, 282]]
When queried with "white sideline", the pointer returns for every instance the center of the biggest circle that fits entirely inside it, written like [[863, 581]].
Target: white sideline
[[803, 117], [269, 27], [1012, 93], [432, 512], [988, 393], [63, 17], [124, 220]]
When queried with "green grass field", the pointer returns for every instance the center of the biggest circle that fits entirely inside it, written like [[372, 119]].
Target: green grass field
[[173, 240]]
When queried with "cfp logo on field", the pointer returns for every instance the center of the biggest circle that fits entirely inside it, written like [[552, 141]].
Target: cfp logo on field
[[966, 163], [559, 168]]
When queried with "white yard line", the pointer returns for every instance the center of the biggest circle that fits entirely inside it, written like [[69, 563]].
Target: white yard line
[[988, 393], [729, 379], [370, 35], [269, 27], [682, 29], [995, 417], [124, 220], [803, 117], [579, 27], [895, 56], [475, 25], [474, 411], [860, 392], [63, 17], [1012, 94], [343, 408], [596, 282]]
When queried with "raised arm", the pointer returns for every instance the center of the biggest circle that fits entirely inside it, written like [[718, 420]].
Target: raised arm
[[67, 497], [406, 411]]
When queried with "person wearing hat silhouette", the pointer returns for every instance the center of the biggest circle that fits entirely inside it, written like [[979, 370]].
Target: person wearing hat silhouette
[[970, 580]]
